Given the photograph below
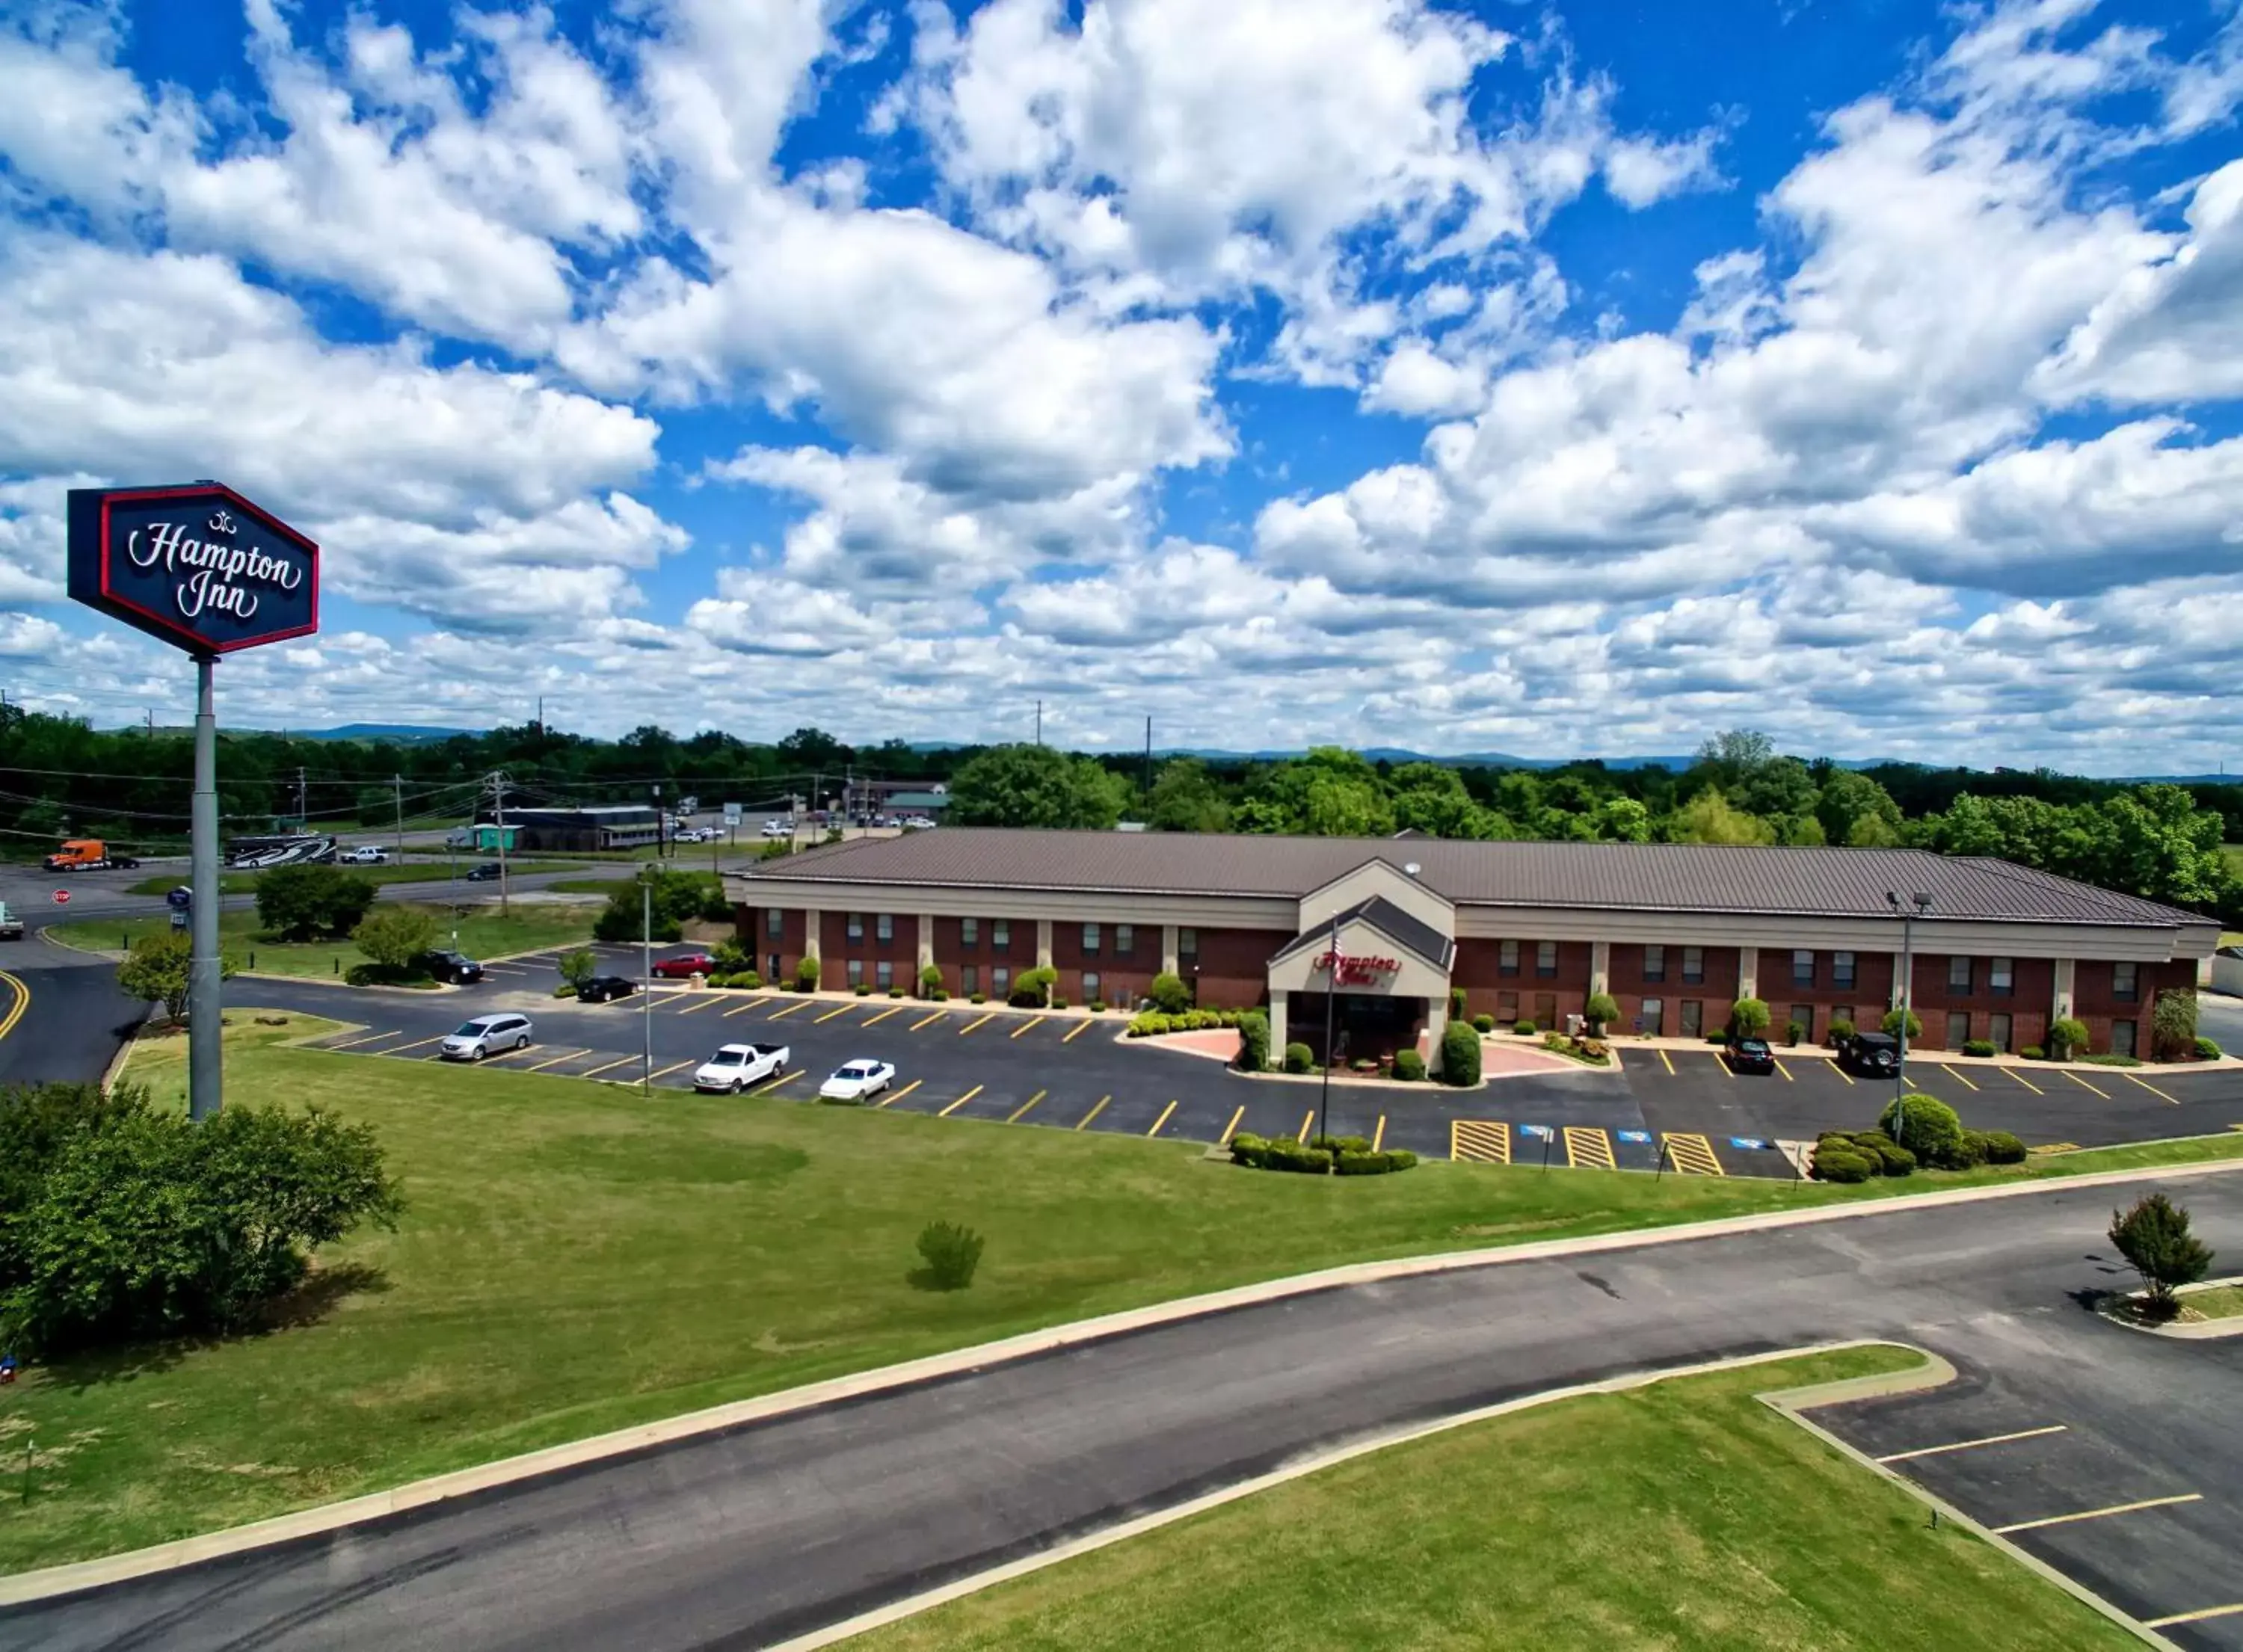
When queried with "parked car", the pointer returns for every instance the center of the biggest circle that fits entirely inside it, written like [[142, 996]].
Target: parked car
[[11, 926], [486, 873], [455, 967], [778, 828], [602, 987], [683, 964], [487, 1035], [857, 1080], [735, 1066], [1751, 1055], [918, 823], [1874, 1055], [364, 854]]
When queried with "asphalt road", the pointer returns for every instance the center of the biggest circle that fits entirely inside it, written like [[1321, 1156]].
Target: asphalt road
[[746, 1538]]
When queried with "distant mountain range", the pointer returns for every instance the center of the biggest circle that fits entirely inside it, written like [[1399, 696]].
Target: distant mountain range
[[408, 734]]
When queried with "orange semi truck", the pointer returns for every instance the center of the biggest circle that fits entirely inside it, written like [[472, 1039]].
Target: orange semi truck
[[86, 855]]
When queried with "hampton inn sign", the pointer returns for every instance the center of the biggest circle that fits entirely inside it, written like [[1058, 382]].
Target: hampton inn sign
[[1355, 972]]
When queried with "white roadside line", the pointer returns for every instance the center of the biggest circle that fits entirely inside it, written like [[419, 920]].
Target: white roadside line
[[63, 1580]]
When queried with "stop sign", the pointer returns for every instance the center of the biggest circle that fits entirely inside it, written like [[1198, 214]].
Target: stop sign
[[62, 898]]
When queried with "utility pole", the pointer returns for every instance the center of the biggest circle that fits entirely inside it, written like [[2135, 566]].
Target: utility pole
[[498, 789], [397, 789], [303, 809], [1149, 760], [646, 987], [1040, 722]]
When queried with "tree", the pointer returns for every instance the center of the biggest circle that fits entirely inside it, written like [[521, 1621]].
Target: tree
[[1708, 818], [158, 970], [1331, 792], [1891, 1024], [2066, 1039], [1873, 831], [1748, 1018], [1601, 1010], [1804, 831], [578, 967], [1168, 993], [1623, 820], [302, 902], [394, 936], [930, 980], [1779, 788], [2154, 1239], [1926, 1126], [1036, 785], [1846, 800], [1186, 798], [2172, 1026], [1431, 798], [676, 897]]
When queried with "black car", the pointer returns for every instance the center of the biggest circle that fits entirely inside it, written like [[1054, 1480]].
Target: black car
[[455, 967], [485, 873], [1874, 1055], [1751, 1055], [602, 987]]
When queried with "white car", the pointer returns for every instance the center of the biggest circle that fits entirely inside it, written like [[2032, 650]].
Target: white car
[[918, 823], [858, 1081], [735, 1066], [364, 854], [487, 1035], [778, 828]]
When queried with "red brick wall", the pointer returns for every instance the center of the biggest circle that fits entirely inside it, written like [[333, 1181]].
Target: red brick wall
[[1124, 977], [1479, 971], [900, 950], [748, 926], [1868, 997], [1233, 965], [2095, 1003], [951, 952]]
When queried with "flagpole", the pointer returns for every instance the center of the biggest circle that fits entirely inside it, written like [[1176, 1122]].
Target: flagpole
[[1331, 996]]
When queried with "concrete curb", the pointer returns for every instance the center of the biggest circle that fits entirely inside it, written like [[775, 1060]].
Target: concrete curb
[[2202, 1331], [880, 1618], [1793, 1404], [67, 1579]]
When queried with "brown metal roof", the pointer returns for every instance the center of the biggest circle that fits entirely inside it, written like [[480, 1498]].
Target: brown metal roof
[[1657, 877]]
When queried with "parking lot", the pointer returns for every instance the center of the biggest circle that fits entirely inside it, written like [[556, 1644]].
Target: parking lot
[[1676, 1112]]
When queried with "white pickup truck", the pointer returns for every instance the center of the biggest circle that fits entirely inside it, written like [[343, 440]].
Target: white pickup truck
[[364, 854], [735, 1066], [12, 927]]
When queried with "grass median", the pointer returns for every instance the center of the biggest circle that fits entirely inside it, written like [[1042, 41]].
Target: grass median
[[479, 933], [1683, 1515], [575, 1259], [245, 882]]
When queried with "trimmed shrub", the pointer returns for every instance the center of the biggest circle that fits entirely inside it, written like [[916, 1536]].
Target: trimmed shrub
[[2109, 1060], [750, 980], [1459, 1055], [2207, 1049], [1927, 1127], [1401, 1158], [1891, 1024], [1838, 1029], [1408, 1066], [1601, 1010], [1794, 1031], [1456, 1003], [979, 998], [1249, 1148], [1978, 1046], [1524, 1028], [1299, 1059], [895, 992], [863, 989], [2067, 1038], [1169, 994], [930, 981], [1835, 1163], [1288, 1154], [1032, 988], [942, 995], [1096, 1006], [951, 1252], [2002, 1147], [1748, 1018], [1341, 1144], [1254, 1042], [806, 976], [566, 990], [2173, 1025], [1483, 1023], [2032, 1052], [1370, 1163], [1557, 1041], [1886, 1156], [729, 957]]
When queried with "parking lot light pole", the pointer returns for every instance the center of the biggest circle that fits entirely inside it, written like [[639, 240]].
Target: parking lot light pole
[[1918, 904], [1332, 997]]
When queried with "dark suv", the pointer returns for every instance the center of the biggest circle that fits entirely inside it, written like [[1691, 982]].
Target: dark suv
[[455, 967], [485, 873], [603, 988], [1874, 1055]]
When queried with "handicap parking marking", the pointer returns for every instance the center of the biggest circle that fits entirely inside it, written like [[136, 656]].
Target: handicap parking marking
[[2083, 1084], [893, 1009], [1971, 1445], [2151, 1088], [1588, 1147], [1485, 1141], [2046, 1521], [1026, 1107], [1077, 1032], [840, 1009], [791, 1009], [1084, 1121], [1691, 1154], [1163, 1119], [983, 1021], [1231, 1129], [960, 1101], [926, 1020], [895, 1095]]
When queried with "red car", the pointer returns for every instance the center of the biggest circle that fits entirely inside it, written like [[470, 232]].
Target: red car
[[683, 964]]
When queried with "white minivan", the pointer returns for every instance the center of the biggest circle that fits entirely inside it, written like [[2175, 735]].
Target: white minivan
[[487, 1035]]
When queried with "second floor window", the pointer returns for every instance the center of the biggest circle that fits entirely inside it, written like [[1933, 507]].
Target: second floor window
[[1802, 969], [2001, 976], [884, 926], [1958, 975], [1125, 940], [1694, 965], [1090, 937], [1655, 963], [1841, 969], [1507, 957], [1187, 943], [1000, 933], [969, 932], [1546, 959], [2124, 981], [855, 926], [774, 922]]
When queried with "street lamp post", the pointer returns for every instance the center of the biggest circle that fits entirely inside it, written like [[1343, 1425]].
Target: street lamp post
[[646, 988], [1918, 903]]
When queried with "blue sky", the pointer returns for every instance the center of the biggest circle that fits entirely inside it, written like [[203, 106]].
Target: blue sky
[[1549, 380]]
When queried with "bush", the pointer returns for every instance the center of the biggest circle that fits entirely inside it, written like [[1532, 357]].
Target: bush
[[1287, 1154], [895, 992], [1748, 1018], [576, 967], [664, 898], [1247, 1148], [1340, 1144], [2032, 1052], [978, 998], [1928, 1128], [2207, 1049], [1600, 1013], [1058, 1003], [2154, 1239], [1978, 1046], [930, 978], [2111, 1060], [157, 971], [1401, 1158], [1835, 1163], [1557, 1041], [302, 902], [715, 908], [951, 1252], [941, 995], [1838, 1029], [1891, 1024], [1254, 1042], [1096, 1006], [1459, 1055], [1523, 1028], [1032, 988], [1483, 1023], [728, 957], [863, 989], [1886, 1156], [395, 937], [1456, 1003], [2002, 1147], [1370, 1164], [566, 990], [1408, 1066], [1794, 1031], [2173, 1025], [806, 976], [1300, 1058], [1168, 993], [2067, 1038], [749, 979]]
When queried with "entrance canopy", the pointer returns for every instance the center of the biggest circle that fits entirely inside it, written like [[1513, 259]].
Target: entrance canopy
[[1383, 951]]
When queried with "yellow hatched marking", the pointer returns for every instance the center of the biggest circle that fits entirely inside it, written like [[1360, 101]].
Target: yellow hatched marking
[[569, 1055], [1077, 1032], [1022, 1110], [893, 1009], [663, 1073], [1487, 1141], [2098, 1513], [791, 1009], [1085, 1123], [1163, 1119], [983, 1021], [1665, 1063], [927, 1020], [2026, 1082], [894, 1096], [1028, 1025], [1379, 1134], [623, 1061], [839, 1010], [2151, 1088], [1588, 1148], [960, 1101], [2083, 1084], [1230, 1129], [1691, 1155]]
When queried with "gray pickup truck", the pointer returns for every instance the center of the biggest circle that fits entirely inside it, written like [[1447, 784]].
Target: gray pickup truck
[[12, 927]]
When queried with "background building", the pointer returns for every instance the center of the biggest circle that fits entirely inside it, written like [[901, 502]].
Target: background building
[[607, 826]]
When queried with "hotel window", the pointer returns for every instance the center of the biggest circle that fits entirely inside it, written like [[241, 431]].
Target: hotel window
[[1089, 985], [969, 932], [1001, 934], [1959, 974], [1802, 969], [2122, 1038], [1001, 983], [1693, 1018], [1999, 1031], [1125, 940], [884, 926], [1546, 959], [2126, 983], [1841, 969], [1842, 1012], [969, 979], [1804, 1015], [1958, 1029], [1506, 960], [2001, 976], [1090, 937], [856, 971], [1506, 1007], [774, 972], [855, 926], [883, 975], [1187, 943], [1694, 965], [774, 923], [1655, 963]]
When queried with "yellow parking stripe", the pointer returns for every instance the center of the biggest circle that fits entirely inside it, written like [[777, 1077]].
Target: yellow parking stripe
[[1665, 1063], [791, 1009], [508, 1055], [1970, 1445], [1786, 1072], [783, 1079], [663, 1073], [893, 1009], [1485, 1140], [1230, 1129], [2097, 1513], [623, 1061], [927, 1020], [370, 1037], [1028, 1025], [2200, 1615], [1163, 1119], [960, 1101], [1022, 1111], [1084, 1124], [1379, 1134], [898, 1095], [568, 1055], [841, 1010], [752, 1004], [983, 1021], [2083, 1084], [2026, 1082], [1960, 1078], [2151, 1088], [1077, 1032], [1841, 1071], [1691, 1155], [701, 1000], [1727, 1071], [1588, 1148], [399, 1049]]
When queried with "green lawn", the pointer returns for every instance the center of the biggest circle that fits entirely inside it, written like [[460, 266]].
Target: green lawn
[[1682, 1517], [482, 933], [2221, 1302], [588, 885], [575, 1259], [245, 882]]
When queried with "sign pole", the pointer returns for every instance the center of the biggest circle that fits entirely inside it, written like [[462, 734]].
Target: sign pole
[[206, 1016]]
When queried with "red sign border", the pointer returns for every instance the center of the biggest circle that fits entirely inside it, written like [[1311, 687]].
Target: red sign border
[[194, 641]]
